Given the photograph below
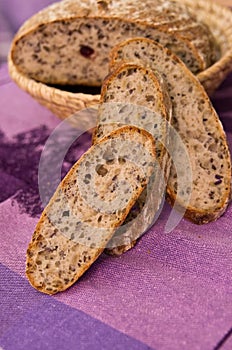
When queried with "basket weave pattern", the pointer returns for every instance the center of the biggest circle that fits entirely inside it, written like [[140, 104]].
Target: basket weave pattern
[[64, 103], [219, 19]]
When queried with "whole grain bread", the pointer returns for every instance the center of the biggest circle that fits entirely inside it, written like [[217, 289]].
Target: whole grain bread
[[199, 127], [134, 95], [68, 42], [90, 203]]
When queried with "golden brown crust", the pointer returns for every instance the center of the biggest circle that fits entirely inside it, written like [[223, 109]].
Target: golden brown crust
[[196, 215], [124, 9], [92, 253], [145, 208], [65, 103], [123, 66], [165, 21]]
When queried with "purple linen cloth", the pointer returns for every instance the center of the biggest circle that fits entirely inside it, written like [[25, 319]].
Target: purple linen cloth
[[173, 291], [16, 12]]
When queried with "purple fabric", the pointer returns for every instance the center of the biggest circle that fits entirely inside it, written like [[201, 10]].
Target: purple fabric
[[35, 322], [173, 291], [16, 12]]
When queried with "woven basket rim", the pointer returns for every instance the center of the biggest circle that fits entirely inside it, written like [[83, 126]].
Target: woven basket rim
[[43, 92], [222, 12]]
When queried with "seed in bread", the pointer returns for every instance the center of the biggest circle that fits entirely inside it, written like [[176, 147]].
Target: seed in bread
[[91, 201], [134, 95], [68, 42], [198, 125]]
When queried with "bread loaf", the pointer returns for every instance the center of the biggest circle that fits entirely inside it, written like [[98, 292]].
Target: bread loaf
[[90, 203], [199, 127], [68, 42], [134, 95]]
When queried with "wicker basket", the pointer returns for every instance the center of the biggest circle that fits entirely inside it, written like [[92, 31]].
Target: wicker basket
[[219, 20], [64, 103]]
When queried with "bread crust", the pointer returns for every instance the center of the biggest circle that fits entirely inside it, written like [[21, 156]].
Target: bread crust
[[50, 280], [150, 200], [165, 107], [120, 9], [166, 24], [197, 215]]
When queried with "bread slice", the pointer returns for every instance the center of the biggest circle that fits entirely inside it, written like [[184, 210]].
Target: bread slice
[[92, 200], [206, 48], [68, 42], [134, 95], [199, 127], [204, 42]]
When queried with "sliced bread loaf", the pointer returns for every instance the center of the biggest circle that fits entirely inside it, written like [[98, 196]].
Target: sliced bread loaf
[[201, 39], [134, 95], [199, 127], [92, 200], [68, 42]]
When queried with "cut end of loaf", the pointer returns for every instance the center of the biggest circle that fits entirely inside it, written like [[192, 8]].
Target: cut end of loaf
[[90, 203], [201, 182], [133, 94], [68, 43]]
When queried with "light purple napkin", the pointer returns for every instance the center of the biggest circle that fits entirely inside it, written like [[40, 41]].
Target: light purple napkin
[[173, 291], [16, 12]]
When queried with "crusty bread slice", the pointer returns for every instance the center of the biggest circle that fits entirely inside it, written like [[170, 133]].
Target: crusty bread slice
[[206, 48], [200, 36], [134, 95], [68, 42], [199, 127], [91, 201]]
